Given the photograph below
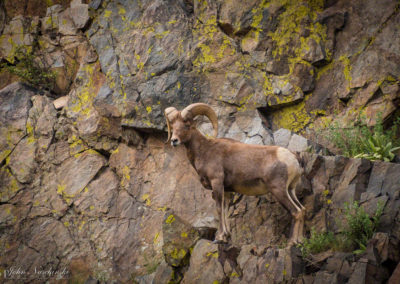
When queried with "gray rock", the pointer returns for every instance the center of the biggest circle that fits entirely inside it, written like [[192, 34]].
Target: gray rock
[[97, 198], [79, 13], [323, 277], [275, 265], [298, 143], [282, 137], [75, 174], [22, 160], [283, 93], [179, 239], [360, 272], [14, 107], [95, 4], [9, 186], [164, 273], [395, 277], [204, 265]]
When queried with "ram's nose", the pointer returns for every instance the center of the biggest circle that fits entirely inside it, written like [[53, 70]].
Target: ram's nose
[[174, 142]]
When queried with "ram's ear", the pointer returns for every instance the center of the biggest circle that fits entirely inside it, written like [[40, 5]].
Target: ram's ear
[[170, 113]]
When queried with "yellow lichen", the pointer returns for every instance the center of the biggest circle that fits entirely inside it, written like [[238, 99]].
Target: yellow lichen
[[178, 254], [125, 175], [293, 117], [213, 254], [234, 274], [346, 67], [30, 133], [170, 219], [85, 95], [146, 199], [122, 11], [156, 238], [60, 188], [107, 13]]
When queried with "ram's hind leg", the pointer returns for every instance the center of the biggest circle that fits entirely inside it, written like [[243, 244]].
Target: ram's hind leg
[[280, 191], [292, 193]]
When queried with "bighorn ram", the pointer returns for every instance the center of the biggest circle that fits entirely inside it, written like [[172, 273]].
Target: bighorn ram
[[226, 165]]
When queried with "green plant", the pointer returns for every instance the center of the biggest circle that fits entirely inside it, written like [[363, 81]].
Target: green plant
[[32, 70], [318, 242], [378, 147], [360, 141], [360, 226]]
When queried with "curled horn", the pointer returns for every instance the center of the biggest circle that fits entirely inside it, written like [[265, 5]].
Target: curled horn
[[193, 110], [169, 113]]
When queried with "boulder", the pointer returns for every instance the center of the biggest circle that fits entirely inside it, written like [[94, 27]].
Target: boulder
[[179, 240], [76, 172], [14, 109], [204, 265]]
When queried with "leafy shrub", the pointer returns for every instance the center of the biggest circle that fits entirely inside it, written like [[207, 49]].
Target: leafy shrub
[[31, 70], [360, 226], [318, 242], [360, 141], [358, 230]]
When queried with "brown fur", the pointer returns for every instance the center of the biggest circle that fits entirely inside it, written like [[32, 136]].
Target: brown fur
[[226, 165]]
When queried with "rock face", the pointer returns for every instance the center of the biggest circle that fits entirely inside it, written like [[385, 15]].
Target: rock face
[[90, 191]]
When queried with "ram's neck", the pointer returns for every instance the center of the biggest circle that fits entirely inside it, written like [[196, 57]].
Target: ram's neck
[[196, 145]]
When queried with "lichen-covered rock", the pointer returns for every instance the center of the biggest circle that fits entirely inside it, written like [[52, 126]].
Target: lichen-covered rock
[[76, 173], [22, 160], [271, 266], [14, 107], [179, 239], [204, 265]]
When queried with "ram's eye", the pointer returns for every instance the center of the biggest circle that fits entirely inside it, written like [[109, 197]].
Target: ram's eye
[[187, 126]]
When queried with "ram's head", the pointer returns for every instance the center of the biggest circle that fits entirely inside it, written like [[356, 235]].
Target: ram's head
[[181, 123]]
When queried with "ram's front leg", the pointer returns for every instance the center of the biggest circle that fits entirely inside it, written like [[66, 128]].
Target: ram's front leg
[[218, 195]]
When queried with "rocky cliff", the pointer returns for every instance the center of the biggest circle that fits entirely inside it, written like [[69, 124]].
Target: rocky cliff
[[90, 192]]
